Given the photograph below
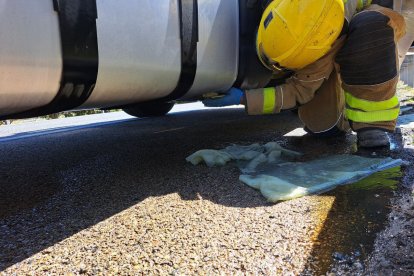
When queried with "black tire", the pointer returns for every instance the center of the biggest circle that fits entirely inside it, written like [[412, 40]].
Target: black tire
[[149, 109]]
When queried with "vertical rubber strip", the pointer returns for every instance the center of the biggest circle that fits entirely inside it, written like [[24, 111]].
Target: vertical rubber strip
[[77, 19], [77, 22], [188, 14]]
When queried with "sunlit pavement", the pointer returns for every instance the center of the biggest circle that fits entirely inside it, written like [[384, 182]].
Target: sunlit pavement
[[110, 194]]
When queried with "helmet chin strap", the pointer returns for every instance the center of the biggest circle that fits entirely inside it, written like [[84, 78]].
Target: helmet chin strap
[[268, 62]]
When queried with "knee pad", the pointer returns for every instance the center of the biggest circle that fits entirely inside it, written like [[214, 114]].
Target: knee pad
[[369, 54]]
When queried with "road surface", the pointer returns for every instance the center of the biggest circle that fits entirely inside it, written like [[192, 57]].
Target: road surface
[[112, 194]]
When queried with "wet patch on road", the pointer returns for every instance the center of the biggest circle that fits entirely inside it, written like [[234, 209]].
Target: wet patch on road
[[358, 212], [350, 217]]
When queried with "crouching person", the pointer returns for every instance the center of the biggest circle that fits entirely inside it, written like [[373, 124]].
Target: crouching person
[[344, 56]]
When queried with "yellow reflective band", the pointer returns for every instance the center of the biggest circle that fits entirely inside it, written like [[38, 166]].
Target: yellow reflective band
[[360, 5], [269, 95], [369, 105], [373, 116]]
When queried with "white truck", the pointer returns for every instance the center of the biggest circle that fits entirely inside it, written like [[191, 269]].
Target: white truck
[[138, 55]]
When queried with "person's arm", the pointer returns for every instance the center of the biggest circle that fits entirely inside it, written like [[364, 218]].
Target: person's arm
[[298, 90]]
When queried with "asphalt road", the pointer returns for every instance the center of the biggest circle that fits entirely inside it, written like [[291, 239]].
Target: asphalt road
[[119, 197]]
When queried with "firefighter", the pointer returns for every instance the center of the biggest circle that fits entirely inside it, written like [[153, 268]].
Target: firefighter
[[344, 60]]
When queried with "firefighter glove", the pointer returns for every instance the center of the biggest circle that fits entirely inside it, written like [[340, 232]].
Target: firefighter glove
[[232, 97]]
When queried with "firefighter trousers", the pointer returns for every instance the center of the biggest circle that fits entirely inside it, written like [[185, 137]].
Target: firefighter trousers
[[360, 90]]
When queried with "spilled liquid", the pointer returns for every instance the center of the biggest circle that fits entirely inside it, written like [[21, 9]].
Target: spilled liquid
[[358, 213]]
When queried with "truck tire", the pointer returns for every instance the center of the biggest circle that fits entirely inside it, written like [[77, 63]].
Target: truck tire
[[149, 109]]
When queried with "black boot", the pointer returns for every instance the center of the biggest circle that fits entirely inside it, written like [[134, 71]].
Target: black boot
[[372, 138]]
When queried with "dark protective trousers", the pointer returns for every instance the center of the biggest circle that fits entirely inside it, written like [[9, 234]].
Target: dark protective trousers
[[366, 68]]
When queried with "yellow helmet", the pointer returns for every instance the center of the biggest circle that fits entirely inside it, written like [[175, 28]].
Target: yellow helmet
[[295, 33]]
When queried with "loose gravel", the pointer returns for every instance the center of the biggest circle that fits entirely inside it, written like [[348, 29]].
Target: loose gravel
[[169, 234]]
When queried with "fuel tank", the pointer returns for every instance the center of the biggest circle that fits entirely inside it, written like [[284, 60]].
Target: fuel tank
[[58, 55]]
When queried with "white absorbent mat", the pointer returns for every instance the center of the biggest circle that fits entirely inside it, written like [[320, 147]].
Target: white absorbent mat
[[272, 170]]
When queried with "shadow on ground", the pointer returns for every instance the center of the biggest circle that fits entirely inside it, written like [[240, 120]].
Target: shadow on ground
[[54, 186]]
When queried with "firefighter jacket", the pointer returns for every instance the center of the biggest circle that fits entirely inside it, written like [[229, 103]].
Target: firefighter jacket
[[366, 107]]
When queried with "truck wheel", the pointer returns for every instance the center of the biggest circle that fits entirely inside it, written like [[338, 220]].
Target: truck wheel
[[149, 109]]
